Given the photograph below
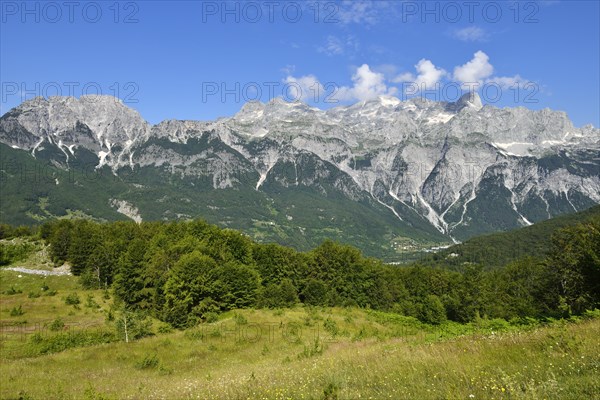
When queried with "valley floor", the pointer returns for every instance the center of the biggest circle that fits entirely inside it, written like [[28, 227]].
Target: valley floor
[[299, 353]]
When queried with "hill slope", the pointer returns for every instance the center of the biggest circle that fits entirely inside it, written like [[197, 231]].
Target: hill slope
[[498, 249]]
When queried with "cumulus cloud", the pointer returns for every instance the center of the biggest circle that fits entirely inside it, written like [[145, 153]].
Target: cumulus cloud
[[367, 85], [470, 34], [474, 71], [427, 75]]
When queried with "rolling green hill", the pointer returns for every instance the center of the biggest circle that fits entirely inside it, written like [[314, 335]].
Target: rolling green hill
[[498, 249]]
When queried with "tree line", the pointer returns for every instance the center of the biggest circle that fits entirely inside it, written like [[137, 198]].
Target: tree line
[[185, 272]]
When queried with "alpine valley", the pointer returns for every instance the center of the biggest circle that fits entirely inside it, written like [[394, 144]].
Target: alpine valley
[[384, 175]]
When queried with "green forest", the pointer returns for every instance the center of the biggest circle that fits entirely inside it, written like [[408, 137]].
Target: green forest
[[184, 273]]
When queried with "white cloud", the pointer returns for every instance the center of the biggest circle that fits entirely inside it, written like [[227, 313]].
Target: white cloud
[[335, 46], [476, 70], [358, 12], [304, 88], [512, 82], [404, 77], [470, 34], [427, 75], [367, 85], [506, 81]]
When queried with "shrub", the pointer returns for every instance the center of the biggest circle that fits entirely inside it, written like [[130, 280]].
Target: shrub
[[16, 311], [57, 325], [10, 253], [39, 344], [165, 328], [592, 314], [12, 291], [90, 302], [211, 317], [240, 319], [72, 299]]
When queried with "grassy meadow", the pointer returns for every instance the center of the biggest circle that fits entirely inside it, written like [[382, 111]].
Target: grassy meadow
[[54, 350]]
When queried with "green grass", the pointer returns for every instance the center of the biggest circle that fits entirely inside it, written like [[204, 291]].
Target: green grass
[[60, 351]]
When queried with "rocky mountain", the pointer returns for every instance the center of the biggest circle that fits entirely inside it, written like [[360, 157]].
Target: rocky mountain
[[385, 175]]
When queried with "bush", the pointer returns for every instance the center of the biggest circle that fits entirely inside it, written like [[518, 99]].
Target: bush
[[165, 328], [591, 314], [57, 325], [90, 302], [72, 299], [40, 344], [10, 253], [12, 291], [16, 311], [240, 319], [211, 317]]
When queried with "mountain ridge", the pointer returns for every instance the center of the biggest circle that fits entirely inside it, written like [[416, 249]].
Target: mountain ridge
[[461, 168]]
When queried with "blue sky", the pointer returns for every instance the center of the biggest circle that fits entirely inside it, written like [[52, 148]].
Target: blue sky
[[202, 60]]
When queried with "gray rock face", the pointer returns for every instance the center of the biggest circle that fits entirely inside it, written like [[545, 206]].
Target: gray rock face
[[96, 123], [464, 168]]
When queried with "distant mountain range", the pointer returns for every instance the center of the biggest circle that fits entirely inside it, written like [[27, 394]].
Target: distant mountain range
[[385, 175]]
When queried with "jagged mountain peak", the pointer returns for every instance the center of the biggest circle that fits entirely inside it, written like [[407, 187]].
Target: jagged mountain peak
[[103, 125], [107, 117], [469, 100], [446, 169]]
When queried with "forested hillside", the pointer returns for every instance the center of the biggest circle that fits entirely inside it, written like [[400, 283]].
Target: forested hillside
[[498, 249], [187, 272]]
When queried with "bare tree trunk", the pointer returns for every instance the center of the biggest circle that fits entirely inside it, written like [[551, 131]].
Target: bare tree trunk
[[125, 324]]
